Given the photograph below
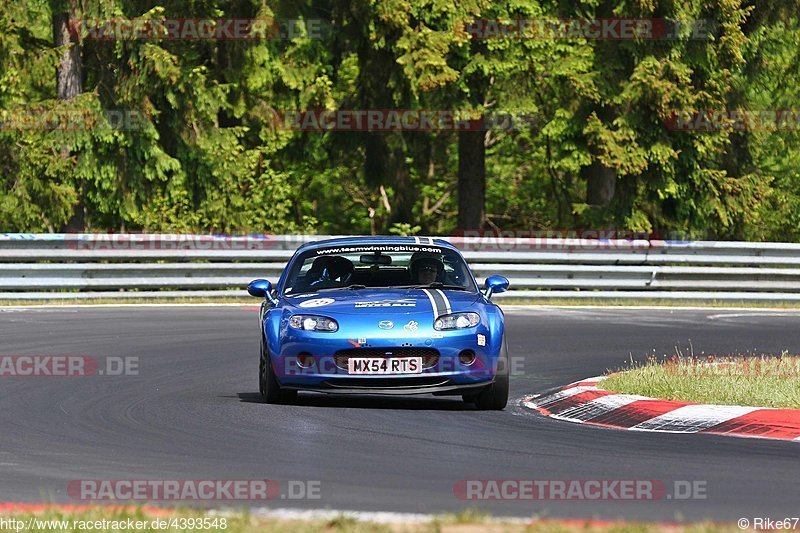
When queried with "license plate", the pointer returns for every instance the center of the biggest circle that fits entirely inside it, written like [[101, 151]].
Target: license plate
[[382, 365]]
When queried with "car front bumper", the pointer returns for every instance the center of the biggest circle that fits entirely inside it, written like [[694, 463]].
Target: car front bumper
[[447, 376]]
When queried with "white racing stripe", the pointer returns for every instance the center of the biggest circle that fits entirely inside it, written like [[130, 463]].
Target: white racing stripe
[[434, 307], [448, 309], [693, 418]]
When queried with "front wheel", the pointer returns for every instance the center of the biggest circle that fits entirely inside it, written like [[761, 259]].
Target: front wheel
[[495, 396], [268, 384]]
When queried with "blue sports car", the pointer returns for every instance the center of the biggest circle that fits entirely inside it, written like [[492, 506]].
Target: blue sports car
[[382, 315]]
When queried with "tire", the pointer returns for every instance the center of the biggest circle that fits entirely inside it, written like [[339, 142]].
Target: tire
[[268, 384], [495, 396], [288, 396]]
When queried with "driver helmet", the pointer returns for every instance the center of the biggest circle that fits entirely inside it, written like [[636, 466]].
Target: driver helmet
[[331, 269], [421, 260]]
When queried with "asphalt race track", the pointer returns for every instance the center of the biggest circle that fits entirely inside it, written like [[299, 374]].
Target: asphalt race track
[[193, 412]]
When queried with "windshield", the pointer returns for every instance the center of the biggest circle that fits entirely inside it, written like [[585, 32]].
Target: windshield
[[380, 266]]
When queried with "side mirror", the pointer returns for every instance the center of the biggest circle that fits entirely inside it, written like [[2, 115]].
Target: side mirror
[[261, 288], [495, 284]]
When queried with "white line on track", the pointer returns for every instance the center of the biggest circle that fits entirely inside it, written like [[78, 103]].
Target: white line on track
[[752, 314]]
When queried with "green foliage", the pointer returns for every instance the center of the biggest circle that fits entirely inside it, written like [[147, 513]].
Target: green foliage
[[204, 147], [404, 230]]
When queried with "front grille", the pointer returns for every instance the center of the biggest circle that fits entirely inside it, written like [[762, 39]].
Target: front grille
[[430, 356], [386, 383]]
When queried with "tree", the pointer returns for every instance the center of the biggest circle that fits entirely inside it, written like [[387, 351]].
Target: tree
[[181, 135]]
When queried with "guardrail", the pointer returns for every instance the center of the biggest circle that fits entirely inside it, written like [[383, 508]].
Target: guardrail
[[67, 266]]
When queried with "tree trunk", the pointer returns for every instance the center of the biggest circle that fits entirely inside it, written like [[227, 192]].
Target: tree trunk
[[601, 183], [69, 84], [471, 180], [403, 201], [69, 72]]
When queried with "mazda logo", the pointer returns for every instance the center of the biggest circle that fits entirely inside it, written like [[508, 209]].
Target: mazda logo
[[386, 324]]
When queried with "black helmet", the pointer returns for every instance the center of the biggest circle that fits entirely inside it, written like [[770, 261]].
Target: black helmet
[[341, 268], [422, 259], [333, 268]]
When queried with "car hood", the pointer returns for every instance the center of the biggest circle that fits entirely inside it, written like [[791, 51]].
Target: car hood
[[374, 301]]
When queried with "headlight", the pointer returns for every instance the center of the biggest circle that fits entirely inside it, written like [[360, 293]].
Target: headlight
[[313, 323], [457, 321]]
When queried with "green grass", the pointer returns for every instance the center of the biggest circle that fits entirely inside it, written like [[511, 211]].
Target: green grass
[[464, 522], [751, 381]]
